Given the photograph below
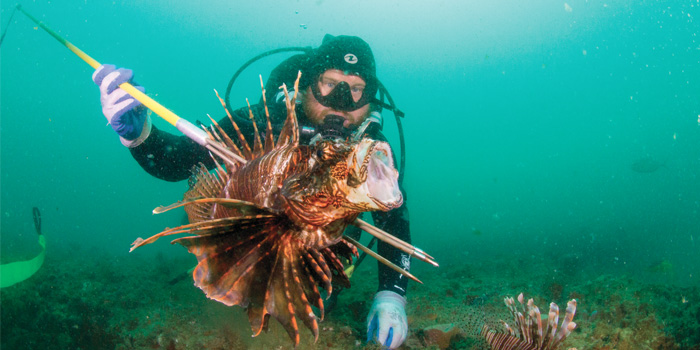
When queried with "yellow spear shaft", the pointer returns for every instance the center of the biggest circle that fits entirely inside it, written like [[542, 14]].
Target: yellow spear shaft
[[190, 130], [156, 107]]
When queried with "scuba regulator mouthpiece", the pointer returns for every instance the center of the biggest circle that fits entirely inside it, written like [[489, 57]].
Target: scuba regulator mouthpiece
[[332, 127]]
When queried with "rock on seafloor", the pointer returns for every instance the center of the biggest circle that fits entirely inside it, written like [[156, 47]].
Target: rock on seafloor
[[441, 335]]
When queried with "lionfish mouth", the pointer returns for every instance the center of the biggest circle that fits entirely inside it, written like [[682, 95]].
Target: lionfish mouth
[[382, 178]]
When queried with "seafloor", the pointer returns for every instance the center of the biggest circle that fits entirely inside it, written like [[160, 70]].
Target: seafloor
[[78, 302]]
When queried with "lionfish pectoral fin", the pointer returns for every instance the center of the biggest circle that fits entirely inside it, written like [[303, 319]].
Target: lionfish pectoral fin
[[205, 228], [231, 259], [338, 269], [258, 265], [163, 208], [200, 200], [346, 250], [300, 289], [292, 290], [279, 299], [258, 319], [137, 243]]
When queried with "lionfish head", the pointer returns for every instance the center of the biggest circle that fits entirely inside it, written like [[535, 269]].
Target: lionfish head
[[345, 178], [372, 177]]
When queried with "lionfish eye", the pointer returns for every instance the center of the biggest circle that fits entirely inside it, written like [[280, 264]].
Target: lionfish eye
[[353, 180]]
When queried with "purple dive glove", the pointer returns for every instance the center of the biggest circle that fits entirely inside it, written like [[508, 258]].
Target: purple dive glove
[[123, 112]]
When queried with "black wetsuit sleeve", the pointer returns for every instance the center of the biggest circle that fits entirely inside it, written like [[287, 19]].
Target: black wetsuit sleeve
[[395, 222], [171, 158]]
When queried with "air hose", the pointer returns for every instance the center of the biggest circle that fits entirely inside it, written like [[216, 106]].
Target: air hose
[[240, 70]]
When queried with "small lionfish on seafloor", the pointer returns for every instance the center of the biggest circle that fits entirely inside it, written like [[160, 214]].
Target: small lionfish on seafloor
[[528, 333], [267, 227]]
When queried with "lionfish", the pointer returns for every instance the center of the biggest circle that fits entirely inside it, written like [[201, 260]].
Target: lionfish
[[529, 334], [268, 231]]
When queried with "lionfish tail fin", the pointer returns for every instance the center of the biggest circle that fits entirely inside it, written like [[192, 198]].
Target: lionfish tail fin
[[204, 198]]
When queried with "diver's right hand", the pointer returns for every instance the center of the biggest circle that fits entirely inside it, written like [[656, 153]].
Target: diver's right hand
[[125, 114]]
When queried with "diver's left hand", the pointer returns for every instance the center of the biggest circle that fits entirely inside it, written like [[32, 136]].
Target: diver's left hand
[[387, 319]]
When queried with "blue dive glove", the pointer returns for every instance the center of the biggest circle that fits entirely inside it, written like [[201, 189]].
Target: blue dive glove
[[123, 112], [387, 319]]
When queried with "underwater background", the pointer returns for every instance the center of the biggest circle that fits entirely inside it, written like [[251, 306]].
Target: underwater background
[[552, 148]]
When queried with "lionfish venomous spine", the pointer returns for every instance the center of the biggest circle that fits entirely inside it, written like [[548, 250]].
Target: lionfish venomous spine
[[528, 333], [268, 232]]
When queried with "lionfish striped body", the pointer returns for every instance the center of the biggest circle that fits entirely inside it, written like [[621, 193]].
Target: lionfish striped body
[[268, 233], [529, 334]]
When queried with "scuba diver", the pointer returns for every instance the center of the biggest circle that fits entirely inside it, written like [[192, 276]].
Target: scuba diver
[[337, 92]]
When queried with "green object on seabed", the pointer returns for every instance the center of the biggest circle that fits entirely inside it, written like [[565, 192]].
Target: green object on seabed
[[18, 271]]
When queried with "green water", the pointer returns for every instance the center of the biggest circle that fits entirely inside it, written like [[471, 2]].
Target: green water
[[523, 120]]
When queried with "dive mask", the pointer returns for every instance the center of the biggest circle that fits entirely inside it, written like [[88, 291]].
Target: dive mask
[[340, 98]]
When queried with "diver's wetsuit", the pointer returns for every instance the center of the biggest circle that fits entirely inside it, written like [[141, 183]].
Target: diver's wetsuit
[[172, 158]]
